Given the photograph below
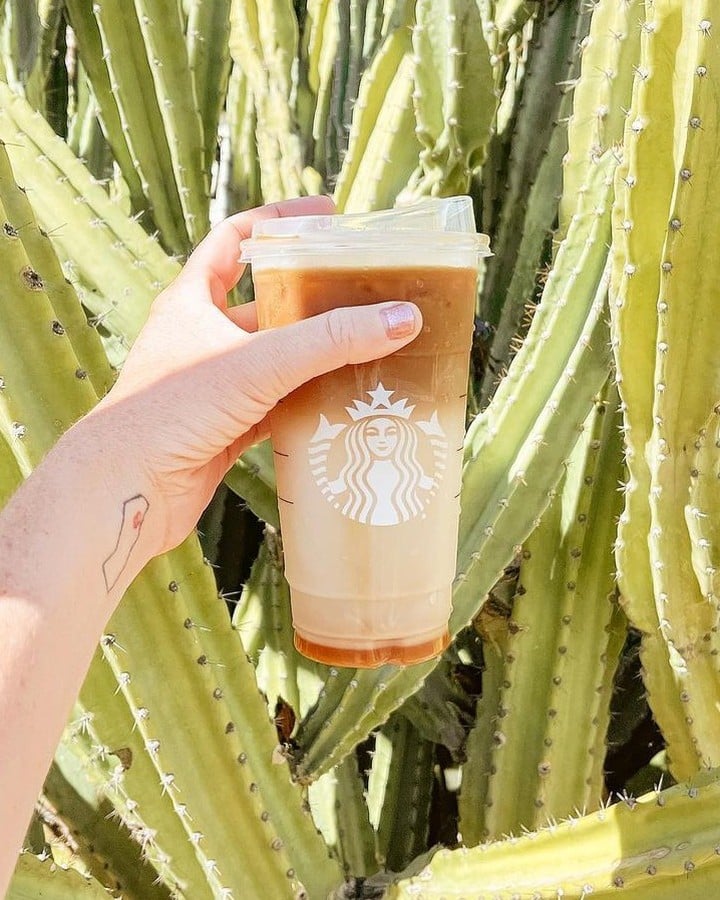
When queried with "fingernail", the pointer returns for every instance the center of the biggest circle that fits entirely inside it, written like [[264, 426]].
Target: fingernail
[[399, 320]]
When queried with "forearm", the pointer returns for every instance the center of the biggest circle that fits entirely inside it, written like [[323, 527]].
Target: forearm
[[66, 558]]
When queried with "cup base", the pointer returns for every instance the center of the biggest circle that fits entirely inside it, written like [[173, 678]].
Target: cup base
[[383, 653]]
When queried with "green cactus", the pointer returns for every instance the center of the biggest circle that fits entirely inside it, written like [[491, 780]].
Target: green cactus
[[400, 786], [107, 853], [662, 845], [565, 635], [380, 155], [264, 43], [661, 595], [208, 56], [533, 181], [36, 877], [382, 102]]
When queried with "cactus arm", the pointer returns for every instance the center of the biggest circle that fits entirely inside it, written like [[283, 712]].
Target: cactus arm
[[251, 610], [264, 41], [578, 272], [536, 231], [551, 714], [552, 60], [107, 852], [319, 50], [196, 697], [162, 28], [350, 26], [510, 17], [336, 137], [121, 267], [92, 147], [476, 770], [595, 110], [595, 635], [453, 122], [374, 86], [660, 846], [400, 788], [686, 381], [509, 763], [265, 627], [102, 724], [84, 339], [356, 841], [253, 733], [131, 81], [640, 218], [208, 29], [603, 94], [20, 41], [35, 877], [244, 168], [41, 87], [90, 49], [390, 152], [33, 395], [276, 670]]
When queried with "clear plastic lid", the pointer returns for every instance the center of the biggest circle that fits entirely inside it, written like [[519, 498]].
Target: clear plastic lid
[[433, 224]]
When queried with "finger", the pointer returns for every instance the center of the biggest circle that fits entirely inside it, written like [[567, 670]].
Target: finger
[[244, 316], [216, 259], [281, 359]]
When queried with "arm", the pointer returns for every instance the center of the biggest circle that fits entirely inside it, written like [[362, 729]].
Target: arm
[[54, 535], [130, 480]]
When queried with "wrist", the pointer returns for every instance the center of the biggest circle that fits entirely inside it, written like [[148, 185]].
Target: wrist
[[116, 497]]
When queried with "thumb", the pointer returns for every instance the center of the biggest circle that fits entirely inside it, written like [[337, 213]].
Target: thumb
[[293, 354]]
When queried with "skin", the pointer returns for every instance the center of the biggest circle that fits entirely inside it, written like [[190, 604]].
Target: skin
[[193, 393]]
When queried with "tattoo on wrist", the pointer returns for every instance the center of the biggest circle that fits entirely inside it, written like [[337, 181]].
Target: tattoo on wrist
[[134, 511]]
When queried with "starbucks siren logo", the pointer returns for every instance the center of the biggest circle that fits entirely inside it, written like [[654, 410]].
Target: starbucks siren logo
[[382, 468]]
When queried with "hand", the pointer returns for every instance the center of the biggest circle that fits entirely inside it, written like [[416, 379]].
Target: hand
[[196, 387]]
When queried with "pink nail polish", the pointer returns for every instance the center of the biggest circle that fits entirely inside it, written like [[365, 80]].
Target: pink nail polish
[[399, 320]]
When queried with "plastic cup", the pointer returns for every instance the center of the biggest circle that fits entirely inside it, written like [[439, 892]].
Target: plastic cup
[[368, 458]]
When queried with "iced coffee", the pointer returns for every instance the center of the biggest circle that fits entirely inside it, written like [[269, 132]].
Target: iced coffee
[[368, 458]]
